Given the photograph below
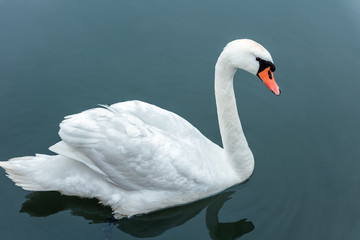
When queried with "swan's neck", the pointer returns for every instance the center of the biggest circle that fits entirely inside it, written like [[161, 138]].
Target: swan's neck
[[234, 142]]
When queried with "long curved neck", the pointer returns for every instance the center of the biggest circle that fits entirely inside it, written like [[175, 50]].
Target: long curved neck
[[234, 142]]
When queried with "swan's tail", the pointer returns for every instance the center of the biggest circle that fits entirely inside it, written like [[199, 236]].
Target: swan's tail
[[58, 173], [65, 175], [32, 172]]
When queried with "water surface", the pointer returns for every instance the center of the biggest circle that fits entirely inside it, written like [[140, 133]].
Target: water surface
[[61, 57]]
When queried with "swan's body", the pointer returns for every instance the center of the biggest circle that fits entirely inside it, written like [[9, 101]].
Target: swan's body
[[138, 158]]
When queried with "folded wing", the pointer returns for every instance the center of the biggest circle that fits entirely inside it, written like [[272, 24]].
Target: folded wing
[[136, 146]]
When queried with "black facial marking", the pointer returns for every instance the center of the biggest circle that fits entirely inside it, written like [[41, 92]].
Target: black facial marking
[[265, 64]]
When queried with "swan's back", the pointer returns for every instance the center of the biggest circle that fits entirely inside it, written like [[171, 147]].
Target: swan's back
[[136, 145]]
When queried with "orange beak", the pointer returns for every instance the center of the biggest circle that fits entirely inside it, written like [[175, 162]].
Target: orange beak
[[267, 77]]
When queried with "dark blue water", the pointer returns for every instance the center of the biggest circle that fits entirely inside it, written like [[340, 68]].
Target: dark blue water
[[61, 57]]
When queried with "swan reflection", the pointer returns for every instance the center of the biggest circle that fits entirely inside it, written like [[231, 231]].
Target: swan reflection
[[41, 204]]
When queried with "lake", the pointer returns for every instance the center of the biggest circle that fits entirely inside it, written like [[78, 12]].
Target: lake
[[61, 57]]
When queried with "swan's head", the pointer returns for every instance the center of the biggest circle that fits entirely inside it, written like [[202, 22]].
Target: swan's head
[[250, 56]]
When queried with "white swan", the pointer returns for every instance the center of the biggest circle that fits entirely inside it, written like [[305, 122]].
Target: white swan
[[138, 158]]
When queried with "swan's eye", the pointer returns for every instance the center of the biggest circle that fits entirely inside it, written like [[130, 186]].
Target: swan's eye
[[265, 64]]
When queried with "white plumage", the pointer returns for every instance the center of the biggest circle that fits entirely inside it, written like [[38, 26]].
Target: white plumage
[[138, 158]]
